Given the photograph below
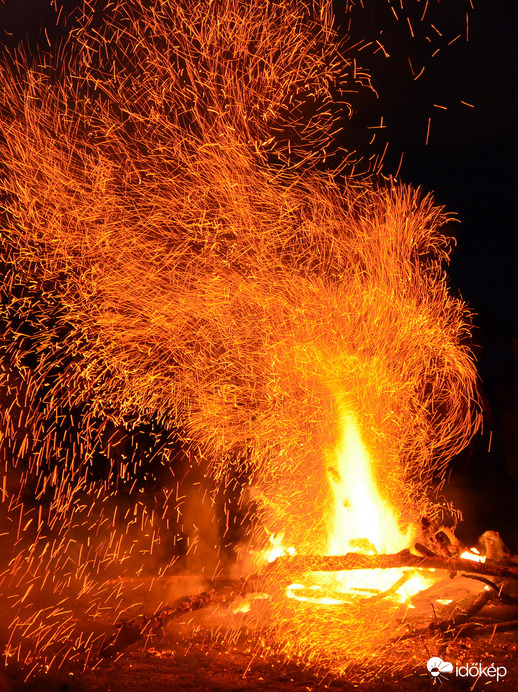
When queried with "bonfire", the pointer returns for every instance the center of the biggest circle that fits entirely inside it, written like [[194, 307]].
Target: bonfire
[[189, 284]]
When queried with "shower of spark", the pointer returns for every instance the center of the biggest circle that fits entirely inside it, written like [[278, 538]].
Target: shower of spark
[[177, 264]]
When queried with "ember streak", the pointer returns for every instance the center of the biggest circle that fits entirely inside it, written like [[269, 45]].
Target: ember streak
[[179, 263]]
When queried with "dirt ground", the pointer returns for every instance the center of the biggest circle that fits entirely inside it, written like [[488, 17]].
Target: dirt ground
[[191, 659]]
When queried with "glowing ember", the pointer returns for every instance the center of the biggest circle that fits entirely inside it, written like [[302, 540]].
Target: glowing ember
[[277, 549], [473, 554]]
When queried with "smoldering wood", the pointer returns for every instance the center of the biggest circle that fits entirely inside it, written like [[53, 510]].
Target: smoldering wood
[[130, 631], [475, 628], [451, 624]]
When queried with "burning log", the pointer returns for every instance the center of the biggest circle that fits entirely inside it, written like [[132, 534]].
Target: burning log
[[354, 561], [131, 631]]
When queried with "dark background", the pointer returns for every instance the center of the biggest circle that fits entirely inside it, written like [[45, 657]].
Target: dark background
[[466, 155], [470, 158]]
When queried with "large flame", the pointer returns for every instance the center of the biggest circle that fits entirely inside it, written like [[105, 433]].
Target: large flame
[[365, 521], [362, 519]]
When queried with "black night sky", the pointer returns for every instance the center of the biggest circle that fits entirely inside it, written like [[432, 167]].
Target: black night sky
[[470, 159]]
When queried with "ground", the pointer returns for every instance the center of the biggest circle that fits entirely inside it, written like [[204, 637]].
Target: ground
[[191, 659]]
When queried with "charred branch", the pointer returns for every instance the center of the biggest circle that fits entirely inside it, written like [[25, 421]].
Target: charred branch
[[355, 561]]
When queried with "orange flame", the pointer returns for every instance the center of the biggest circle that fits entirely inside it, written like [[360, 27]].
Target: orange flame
[[361, 520]]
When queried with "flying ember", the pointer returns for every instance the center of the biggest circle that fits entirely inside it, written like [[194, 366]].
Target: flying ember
[[212, 334]]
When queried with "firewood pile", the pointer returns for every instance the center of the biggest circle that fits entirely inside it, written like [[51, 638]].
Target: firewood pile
[[473, 594]]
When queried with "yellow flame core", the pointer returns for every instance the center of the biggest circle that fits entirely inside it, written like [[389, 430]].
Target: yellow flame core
[[362, 519]]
